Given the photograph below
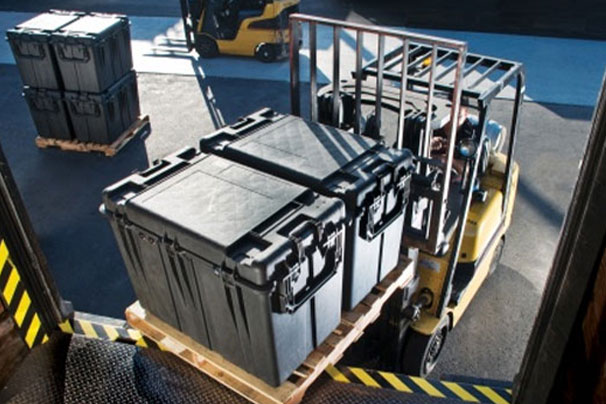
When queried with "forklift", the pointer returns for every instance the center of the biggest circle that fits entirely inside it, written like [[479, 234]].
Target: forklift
[[256, 28], [464, 187]]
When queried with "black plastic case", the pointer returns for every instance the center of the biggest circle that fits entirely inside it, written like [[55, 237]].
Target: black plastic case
[[93, 52], [245, 263], [101, 118], [372, 180], [48, 111], [30, 43]]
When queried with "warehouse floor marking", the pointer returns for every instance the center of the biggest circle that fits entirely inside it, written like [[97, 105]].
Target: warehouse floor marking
[[466, 392], [17, 299], [575, 65]]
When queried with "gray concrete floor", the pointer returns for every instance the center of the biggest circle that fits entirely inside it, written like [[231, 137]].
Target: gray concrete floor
[[62, 192]]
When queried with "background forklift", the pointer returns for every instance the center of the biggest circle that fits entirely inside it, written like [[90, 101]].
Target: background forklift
[[464, 189], [256, 28]]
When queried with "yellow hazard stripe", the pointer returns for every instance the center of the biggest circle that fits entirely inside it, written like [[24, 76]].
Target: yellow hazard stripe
[[22, 309], [3, 255], [135, 335], [395, 382], [364, 377], [104, 331], [416, 385], [427, 387], [88, 329], [460, 392], [11, 285], [111, 332], [491, 395], [32, 331], [336, 374], [66, 327]]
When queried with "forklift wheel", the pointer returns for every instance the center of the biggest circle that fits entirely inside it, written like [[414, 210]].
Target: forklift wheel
[[266, 53], [206, 47], [496, 256], [421, 352]]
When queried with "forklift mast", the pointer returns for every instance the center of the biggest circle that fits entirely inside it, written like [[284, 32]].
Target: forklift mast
[[434, 68], [429, 186]]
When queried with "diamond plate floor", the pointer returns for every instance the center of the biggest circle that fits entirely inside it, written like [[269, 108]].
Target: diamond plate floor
[[81, 370]]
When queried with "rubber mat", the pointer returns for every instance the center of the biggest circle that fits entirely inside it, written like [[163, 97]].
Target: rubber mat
[[83, 370], [40, 378], [100, 372]]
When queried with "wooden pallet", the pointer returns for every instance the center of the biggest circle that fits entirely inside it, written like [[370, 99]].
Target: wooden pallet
[[328, 353], [110, 150]]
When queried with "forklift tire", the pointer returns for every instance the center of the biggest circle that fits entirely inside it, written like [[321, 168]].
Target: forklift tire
[[496, 256], [266, 53], [421, 352], [206, 47]]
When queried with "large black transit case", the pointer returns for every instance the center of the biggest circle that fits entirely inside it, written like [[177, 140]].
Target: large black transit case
[[245, 263], [93, 51], [103, 117], [30, 43], [48, 111], [372, 180]]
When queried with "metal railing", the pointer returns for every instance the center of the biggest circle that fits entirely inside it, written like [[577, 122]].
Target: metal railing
[[431, 236]]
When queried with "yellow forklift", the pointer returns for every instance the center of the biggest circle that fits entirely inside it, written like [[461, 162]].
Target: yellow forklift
[[256, 28], [464, 188]]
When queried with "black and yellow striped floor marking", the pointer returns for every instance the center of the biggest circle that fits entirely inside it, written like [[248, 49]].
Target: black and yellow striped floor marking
[[473, 393], [18, 301], [107, 329]]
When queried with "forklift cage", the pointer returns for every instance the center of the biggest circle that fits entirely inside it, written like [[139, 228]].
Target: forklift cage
[[430, 237]]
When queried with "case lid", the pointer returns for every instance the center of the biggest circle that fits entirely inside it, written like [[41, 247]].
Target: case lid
[[214, 199], [92, 25], [49, 22], [307, 148]]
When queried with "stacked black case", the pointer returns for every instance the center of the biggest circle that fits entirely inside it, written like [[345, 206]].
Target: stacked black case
[[101, 118], [245, 263], [30, 43], [87, 60], [93, 52], [372, 179]]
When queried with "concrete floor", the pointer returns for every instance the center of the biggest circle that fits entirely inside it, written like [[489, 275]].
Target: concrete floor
[[62, 192]]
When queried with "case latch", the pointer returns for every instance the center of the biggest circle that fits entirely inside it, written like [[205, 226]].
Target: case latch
[[227, 275]]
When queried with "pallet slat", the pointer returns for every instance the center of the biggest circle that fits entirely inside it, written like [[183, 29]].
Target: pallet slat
[[250, 387], [109, 150]]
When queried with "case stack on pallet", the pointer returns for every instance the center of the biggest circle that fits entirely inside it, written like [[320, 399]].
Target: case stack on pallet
[[77, 72], [257, 249]]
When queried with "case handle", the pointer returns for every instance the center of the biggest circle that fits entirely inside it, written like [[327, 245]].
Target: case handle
[[34, 50], [288, 301], [369, 230], [85, 108], [74, 56]]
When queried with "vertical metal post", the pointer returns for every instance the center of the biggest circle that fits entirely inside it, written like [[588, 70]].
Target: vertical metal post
[[313, 70], [425, 150], [295, 90], [465, 205], [336, 79], [403, 85], [358, 98], [380, 68], [515, 124], [454, 121]]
